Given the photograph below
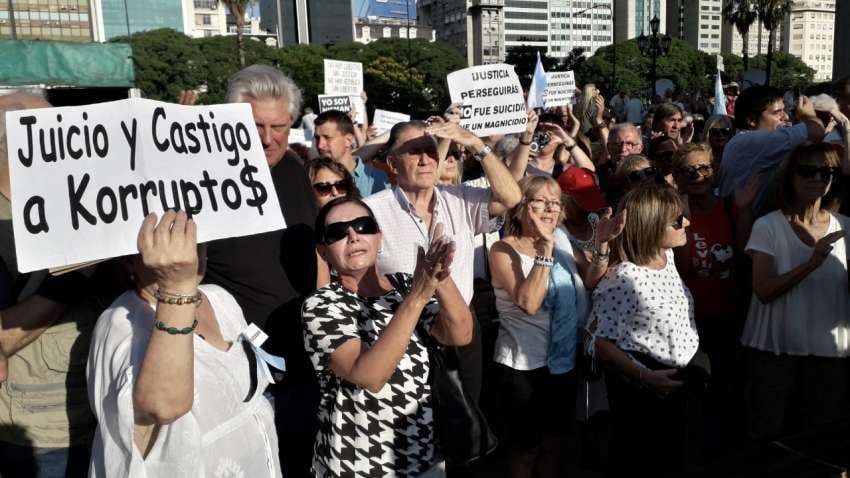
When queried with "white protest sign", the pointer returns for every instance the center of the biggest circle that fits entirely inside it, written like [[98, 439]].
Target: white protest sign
[[383, 120], [560, 88], [334, 102], [296, 135], [359, 106], [83, 178], [343, 77], [491, 98]]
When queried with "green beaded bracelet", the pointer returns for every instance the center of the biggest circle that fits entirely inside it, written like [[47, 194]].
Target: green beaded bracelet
[[160, 325]]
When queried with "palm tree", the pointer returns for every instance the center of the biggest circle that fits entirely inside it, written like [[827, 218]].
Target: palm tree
[[741, 14], [772, 13], [237, 10]]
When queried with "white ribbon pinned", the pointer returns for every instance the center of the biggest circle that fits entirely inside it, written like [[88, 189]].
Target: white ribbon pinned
[[255, 338]]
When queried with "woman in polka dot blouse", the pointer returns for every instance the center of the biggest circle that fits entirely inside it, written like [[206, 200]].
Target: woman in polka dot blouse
[[646, 335]]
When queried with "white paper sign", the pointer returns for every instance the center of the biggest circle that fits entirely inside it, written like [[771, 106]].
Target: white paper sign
[[83, 178], [344, 103], [383, 120], [491, 98], [296, 135], [343, 77], [560, 88]]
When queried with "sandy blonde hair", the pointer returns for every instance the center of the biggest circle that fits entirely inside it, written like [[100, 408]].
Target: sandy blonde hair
[[530, 185], [651, 208]]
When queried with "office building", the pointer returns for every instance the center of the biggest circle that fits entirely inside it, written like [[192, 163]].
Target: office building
[[527, 23], [809, 34], [579, 24], [325, 22], [633, 16], [697, 22], [112, 16], [474, 27], [388, 19], [757, 40], [65, 20]]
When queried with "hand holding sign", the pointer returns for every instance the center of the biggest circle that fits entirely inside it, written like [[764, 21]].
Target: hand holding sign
[[491, 99], [170, 251]]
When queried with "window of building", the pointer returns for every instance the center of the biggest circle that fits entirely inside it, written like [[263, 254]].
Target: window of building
[[402, 32], [388, 32]]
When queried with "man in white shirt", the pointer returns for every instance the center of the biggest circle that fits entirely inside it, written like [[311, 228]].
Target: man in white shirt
[[409, 213]]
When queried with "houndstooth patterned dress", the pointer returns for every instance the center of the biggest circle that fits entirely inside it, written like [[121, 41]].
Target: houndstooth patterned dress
[[364, 434]]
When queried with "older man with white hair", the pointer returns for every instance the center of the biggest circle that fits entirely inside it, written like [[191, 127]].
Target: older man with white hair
[[271, 273]]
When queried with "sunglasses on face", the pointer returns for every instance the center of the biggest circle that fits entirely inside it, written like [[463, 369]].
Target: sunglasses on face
[[697, 171], [325, 188], [339, 230], [641, 174], [679, 222], [808, 171], [725, 132]]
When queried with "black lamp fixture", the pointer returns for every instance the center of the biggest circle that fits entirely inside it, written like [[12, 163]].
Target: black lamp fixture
[[654, 46]]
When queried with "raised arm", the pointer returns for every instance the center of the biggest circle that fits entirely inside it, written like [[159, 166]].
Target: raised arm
[[371, 367], [527, 292], [570, 154], [505, 190], [517, 160], [164, 389]]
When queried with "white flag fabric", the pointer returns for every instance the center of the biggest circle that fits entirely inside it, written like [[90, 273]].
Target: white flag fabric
[[537, 90], [719, 97]]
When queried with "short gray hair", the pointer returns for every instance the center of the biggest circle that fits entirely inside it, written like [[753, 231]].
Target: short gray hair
[[624, 127], [264, 82]]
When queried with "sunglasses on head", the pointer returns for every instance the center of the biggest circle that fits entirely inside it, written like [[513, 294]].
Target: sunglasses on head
[[679, 222], [339, 230], [808, 171], [727, 132], [642, 174], [325, 188]]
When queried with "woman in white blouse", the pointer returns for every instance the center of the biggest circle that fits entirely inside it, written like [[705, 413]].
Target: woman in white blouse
[[171, 377], [798, 326], [646, 336]]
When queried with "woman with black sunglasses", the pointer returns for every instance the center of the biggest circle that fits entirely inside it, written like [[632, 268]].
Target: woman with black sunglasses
[[717, 132], [646, 336], [364, 334], [798, 327], [330, 180]]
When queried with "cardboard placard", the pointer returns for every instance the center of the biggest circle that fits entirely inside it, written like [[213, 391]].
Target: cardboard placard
[[560, 88], [83, 178], [383, 120], [491, 98], [343, 77]]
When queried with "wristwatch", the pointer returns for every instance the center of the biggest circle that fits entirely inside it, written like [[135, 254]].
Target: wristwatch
[[479, 156]]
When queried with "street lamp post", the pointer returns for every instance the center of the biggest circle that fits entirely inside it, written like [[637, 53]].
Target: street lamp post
[[653, 46]]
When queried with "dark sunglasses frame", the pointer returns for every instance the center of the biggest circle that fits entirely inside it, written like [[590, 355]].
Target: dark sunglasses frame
[[808, 171], [339, 230], [324, 188], [690, 171], [642, 174]]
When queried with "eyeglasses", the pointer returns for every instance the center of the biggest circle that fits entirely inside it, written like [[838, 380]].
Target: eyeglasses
[[325, 188], [641, 174], [339, 230], [543, 204], [808, 171], [620, 144], [697, 171], [679, 222], [727, 132]]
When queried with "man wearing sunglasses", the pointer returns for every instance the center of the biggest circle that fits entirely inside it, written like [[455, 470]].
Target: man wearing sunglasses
[[334, 138], [271, 273], [765, 138], [409, 213]]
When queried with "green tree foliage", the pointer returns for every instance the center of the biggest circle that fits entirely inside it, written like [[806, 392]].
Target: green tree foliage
[[772, 13], [788, 71], [237, 11], [399, 75], [741, 14], [524, 59]]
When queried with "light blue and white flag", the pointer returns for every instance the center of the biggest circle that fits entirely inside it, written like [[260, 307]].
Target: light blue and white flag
[[719, 96], [537, 90]]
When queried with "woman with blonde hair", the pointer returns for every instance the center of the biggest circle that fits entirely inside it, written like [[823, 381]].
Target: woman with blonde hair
[[646, 335]]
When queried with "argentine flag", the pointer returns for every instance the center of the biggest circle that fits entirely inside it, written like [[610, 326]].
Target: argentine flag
[[538, 86]]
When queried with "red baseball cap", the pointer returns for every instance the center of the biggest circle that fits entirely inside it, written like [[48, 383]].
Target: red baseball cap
[[581, 185]]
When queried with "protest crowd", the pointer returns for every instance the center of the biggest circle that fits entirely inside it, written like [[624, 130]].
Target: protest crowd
[[608, 285]]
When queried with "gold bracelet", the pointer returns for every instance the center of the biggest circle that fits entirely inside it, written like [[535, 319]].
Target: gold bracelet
[[177, 299]]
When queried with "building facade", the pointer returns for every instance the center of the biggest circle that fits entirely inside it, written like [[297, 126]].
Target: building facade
[[527, 23], [474, 27], [757, 40], [633, 16], [324, 22], [112, 16], [388, 19], [63, 20], [697, 22], [809, 34], [579, 24]]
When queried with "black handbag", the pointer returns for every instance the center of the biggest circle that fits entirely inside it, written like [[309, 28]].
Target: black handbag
[[462, 432]]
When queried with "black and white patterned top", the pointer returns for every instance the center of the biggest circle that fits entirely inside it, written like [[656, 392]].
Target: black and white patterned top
[[647, 311], [365, 434]]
